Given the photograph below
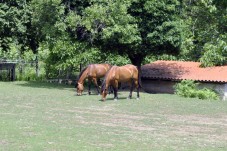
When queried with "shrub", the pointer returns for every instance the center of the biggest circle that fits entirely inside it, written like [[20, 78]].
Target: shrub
[[188, 88], [207, 94]]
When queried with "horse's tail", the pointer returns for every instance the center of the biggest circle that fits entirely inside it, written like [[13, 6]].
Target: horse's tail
[[139, 77]]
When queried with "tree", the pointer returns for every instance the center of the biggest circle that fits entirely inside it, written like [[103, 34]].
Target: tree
[[30, 23], [205, 25], [13, 19], [134, 28]]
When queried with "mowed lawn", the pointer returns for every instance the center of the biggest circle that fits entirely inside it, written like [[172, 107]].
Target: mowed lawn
[[41, 116]]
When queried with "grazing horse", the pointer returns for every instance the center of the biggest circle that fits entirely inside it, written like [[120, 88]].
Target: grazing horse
[[93, 73], [128, 73]]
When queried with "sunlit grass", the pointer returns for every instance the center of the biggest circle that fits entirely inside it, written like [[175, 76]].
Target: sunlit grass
[[43, 116]]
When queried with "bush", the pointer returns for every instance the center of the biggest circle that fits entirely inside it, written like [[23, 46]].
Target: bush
[[207, 94], [188, 88], [27, 72]]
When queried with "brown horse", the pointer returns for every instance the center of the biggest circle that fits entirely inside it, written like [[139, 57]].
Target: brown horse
[[93, 73], [128, 73]]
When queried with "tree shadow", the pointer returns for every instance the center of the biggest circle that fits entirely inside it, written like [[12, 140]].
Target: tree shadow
[[164, 70], [112, 99], [161, 76], [38, 84]]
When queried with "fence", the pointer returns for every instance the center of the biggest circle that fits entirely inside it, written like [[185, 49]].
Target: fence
[[34, 70], [7, 70]]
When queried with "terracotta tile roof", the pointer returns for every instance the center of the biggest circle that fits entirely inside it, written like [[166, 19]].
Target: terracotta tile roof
[[180, 70]]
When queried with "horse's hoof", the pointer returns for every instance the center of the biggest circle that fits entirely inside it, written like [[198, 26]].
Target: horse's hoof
[[128, 98], [115, 99], [137, 98]]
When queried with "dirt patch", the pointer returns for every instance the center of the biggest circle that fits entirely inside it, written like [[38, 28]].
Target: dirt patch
[[4, 142], [191, 128]]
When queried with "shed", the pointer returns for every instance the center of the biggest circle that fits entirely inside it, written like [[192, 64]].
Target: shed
[[10, 67], [161, 76]]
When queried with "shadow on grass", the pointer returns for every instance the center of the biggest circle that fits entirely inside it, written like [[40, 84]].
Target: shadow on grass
[[111, 98], [38, 84]]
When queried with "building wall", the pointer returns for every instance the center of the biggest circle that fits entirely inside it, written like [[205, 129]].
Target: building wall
[[218, 87], [158, 86], [225, 93], [164, 86]]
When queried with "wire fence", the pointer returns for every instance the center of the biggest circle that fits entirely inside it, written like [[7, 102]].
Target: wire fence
[[34, 70]]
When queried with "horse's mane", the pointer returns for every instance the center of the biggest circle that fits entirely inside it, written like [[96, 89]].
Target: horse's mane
[[82, 72], [109, 65]]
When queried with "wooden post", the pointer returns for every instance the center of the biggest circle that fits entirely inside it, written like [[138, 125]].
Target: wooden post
[[80, 67], [13, 73], [37, 65]]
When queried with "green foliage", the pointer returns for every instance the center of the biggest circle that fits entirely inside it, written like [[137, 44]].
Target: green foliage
[[152, 58], [13, 20], [65, 55], [93, 31], [204, 23], [46, 18], [215, 54], [25, 68], [13, 54], [29, 74], [188, 88], [118, 60], [123, 27]]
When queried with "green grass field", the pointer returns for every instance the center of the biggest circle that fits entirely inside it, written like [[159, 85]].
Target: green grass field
[[41, 116]]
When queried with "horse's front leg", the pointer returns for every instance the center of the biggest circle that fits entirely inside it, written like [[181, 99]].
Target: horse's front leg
[[115, 87]]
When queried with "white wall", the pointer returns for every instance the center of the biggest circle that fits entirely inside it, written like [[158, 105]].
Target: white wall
[[161, 86], [225, 93], [218, 87]]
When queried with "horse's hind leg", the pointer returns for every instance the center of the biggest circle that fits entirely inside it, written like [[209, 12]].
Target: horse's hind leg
[[96, 85], [89, 86], [131, 89], [115, 88], [115, 94]]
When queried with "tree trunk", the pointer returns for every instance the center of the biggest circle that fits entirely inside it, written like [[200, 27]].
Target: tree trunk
[[137, 61]]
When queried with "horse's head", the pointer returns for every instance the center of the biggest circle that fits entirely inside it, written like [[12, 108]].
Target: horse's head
[[104, 92], [80, 88]]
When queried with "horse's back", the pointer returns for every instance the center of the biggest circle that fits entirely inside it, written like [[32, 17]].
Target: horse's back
[[98, 70], [127, 72]]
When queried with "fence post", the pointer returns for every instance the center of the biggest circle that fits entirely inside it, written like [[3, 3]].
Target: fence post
[[36, 65]]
